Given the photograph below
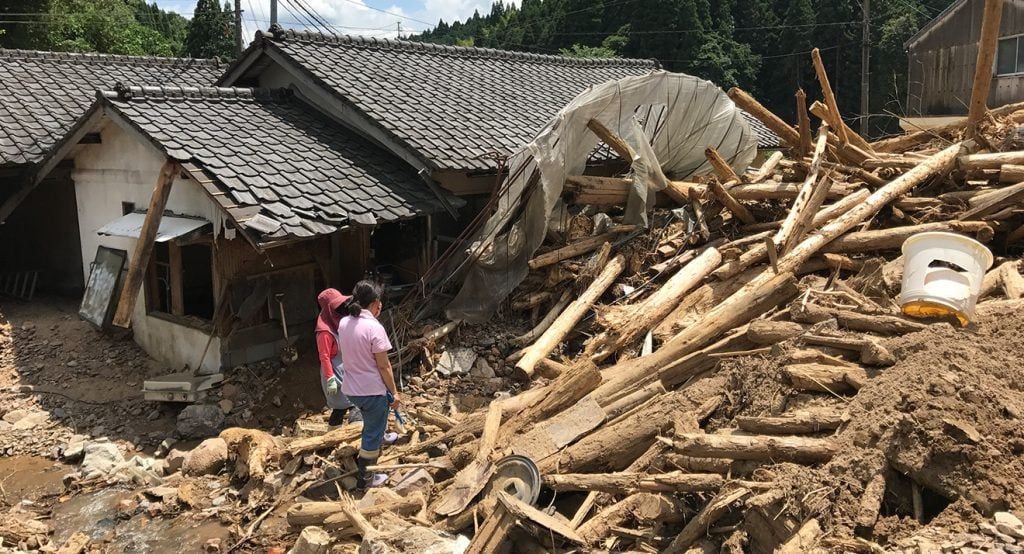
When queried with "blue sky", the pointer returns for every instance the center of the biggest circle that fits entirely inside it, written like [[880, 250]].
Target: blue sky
[[357, 17]]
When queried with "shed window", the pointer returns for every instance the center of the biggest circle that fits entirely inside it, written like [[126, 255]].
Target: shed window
[[1010, 56], [181, 280]]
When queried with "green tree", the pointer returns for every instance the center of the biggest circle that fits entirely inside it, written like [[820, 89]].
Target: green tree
[[211, 32], [23, 31], [106, 26], [581, 51]]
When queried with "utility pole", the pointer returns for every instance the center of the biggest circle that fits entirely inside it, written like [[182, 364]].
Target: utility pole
[[399, 25], [238, 29], [865, 62], [273, 13]]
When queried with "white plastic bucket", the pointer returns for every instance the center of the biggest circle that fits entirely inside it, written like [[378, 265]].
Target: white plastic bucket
[[942, 275]]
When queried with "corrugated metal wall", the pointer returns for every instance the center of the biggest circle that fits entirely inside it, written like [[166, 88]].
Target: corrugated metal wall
[[941, 63]]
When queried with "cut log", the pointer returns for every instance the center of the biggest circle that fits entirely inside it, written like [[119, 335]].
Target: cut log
[[821, 377], [569, 318], [893, 238], [804, 540], [995, 160], [723, 170], [144, 245], [643, 507], [995, 201], [871, 502], [565, 391], [733, 205], [765, 331], [611, 139], [431, 417], [822, 111], [784, 191], [493, 533], [808, 202], [992, 281], [832, 116], [629, 483], [766, 169], [330, 439], [762, 448], [304, 514], [1011, 173], [579, 247], [628, 323], [1011, 280], [472, 479], [702, 522], [788, 134], [531, 300], [524, 511], [803, 123], [545, 323], [631, 401], [990, 20], [871, 352], [801, 421], [598, 191], [312, 540], [907, 142], [855, 321]]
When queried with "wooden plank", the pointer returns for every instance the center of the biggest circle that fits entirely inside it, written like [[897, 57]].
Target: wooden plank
[[144, 245], [177, 292], [523, 510]]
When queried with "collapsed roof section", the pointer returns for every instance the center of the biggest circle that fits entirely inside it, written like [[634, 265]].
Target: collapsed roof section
[[450, 105], [279, 169], [682, 115]]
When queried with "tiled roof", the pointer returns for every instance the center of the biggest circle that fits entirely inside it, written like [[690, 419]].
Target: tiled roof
[[449, 104], [42, 94], [289, 171], [766, 138]]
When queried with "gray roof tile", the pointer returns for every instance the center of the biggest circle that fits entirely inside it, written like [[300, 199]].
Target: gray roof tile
[[449, 104], [42, 94], [302, 172]]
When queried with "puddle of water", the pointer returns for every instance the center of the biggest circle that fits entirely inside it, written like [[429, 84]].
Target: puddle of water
[[96, 515]]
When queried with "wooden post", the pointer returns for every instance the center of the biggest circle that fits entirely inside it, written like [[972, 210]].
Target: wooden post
[[787, 133], [177, 296], [835, 120], [761, 448], [144, 245], [808, 201], [990, 20], [722, 168], [803, 123], [739, 210], [570, 317], [611, 139]]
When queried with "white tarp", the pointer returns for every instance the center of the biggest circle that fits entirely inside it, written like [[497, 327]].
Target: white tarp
[[684, 115]]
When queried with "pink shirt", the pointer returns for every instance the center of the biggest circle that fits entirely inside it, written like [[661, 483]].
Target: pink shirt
[[359, 339]]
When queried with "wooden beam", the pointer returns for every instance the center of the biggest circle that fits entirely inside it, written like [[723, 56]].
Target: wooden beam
[[990, 20], [803, 123], [727, 200], [611, 139], [822, 111], [808, 201], [723, 170], [834, 117], [177, 291], [787, 133], [144, 245]]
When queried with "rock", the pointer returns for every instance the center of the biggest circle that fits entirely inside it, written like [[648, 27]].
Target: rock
[[14, 416], [175, 459], [72, 363], [229, 391], [59, 413], [206, 459], [1009, 524], [154, 415], [398, 538], [226, 406], [416, 480], [165, 447], [211, 545], [220, 500], [482, 369], [75, 448], [200, 421], [456, 361], [100, 459]]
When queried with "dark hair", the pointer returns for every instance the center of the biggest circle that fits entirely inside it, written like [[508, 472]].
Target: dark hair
[[363, 294]]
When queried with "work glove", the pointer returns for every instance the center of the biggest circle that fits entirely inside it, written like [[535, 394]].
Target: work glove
[[333, 386]]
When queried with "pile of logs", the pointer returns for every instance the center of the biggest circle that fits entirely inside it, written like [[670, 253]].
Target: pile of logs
[[802, 252]]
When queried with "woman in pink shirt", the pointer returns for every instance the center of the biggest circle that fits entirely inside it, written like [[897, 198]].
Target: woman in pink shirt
[[368, 379]]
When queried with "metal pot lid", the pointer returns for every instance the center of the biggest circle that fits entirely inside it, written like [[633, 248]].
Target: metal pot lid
[[518, 476]]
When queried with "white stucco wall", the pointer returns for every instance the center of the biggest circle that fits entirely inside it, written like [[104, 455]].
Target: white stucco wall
[[122, 169]]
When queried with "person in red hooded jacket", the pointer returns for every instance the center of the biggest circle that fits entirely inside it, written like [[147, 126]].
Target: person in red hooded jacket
[[332, 308]]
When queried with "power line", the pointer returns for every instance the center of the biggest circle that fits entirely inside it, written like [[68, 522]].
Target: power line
[[396, 14]]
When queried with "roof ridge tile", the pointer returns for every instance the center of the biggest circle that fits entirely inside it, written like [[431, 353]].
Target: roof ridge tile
[[88, 57], [124, 92], [279, 34]]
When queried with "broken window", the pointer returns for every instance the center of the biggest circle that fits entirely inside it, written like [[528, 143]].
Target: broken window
[[180, 280]]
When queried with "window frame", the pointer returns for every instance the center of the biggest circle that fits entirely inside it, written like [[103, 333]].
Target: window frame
[[1016, 58], [175, 274]]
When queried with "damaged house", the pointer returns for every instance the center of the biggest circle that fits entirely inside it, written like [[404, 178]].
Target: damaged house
[[347, 157]]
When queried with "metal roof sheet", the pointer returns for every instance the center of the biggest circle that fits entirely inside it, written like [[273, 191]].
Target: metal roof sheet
[[171, 227]]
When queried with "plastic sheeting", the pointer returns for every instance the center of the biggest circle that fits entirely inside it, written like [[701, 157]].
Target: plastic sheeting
[[667, 118]]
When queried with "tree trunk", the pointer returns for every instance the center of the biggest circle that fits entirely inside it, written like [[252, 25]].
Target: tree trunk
[[1012, 282], [990, 19], [545, 323], [570, 317], [578, 248], [768, 332], [722, 168], [788, 134], [893, 238], [762, 448], [823, 378], [733, 205], [856, 321], [798, 422]]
